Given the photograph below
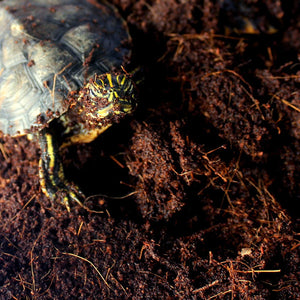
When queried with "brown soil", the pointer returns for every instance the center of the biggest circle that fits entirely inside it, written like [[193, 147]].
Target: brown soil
[[201, 183]]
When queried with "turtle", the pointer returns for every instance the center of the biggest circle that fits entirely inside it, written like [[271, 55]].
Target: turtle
[[62, 79]]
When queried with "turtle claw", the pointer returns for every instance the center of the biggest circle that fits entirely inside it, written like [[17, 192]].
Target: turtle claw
[[70, 194], [61, 190]]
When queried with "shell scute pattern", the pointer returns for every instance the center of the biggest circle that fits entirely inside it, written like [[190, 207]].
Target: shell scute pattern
[[46, 53]]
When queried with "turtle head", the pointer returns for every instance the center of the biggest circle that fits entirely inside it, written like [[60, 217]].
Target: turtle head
[[108, 98]]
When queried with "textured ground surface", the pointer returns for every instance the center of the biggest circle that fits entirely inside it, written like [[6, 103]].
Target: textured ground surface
[[201, 184]]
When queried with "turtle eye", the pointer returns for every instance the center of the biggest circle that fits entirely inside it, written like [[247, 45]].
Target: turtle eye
[[102, 87], [98, 92], [113, 89]]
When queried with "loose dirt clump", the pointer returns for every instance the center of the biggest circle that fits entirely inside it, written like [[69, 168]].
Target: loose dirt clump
[[193, 197]]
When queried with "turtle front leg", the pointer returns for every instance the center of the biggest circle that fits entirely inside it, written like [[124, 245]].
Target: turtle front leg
[[51, 172]]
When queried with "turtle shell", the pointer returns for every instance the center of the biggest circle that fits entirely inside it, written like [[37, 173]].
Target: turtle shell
[[49, 48]]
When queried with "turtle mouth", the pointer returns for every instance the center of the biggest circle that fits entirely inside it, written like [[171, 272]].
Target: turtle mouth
[[104, 112], [118, 107]]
